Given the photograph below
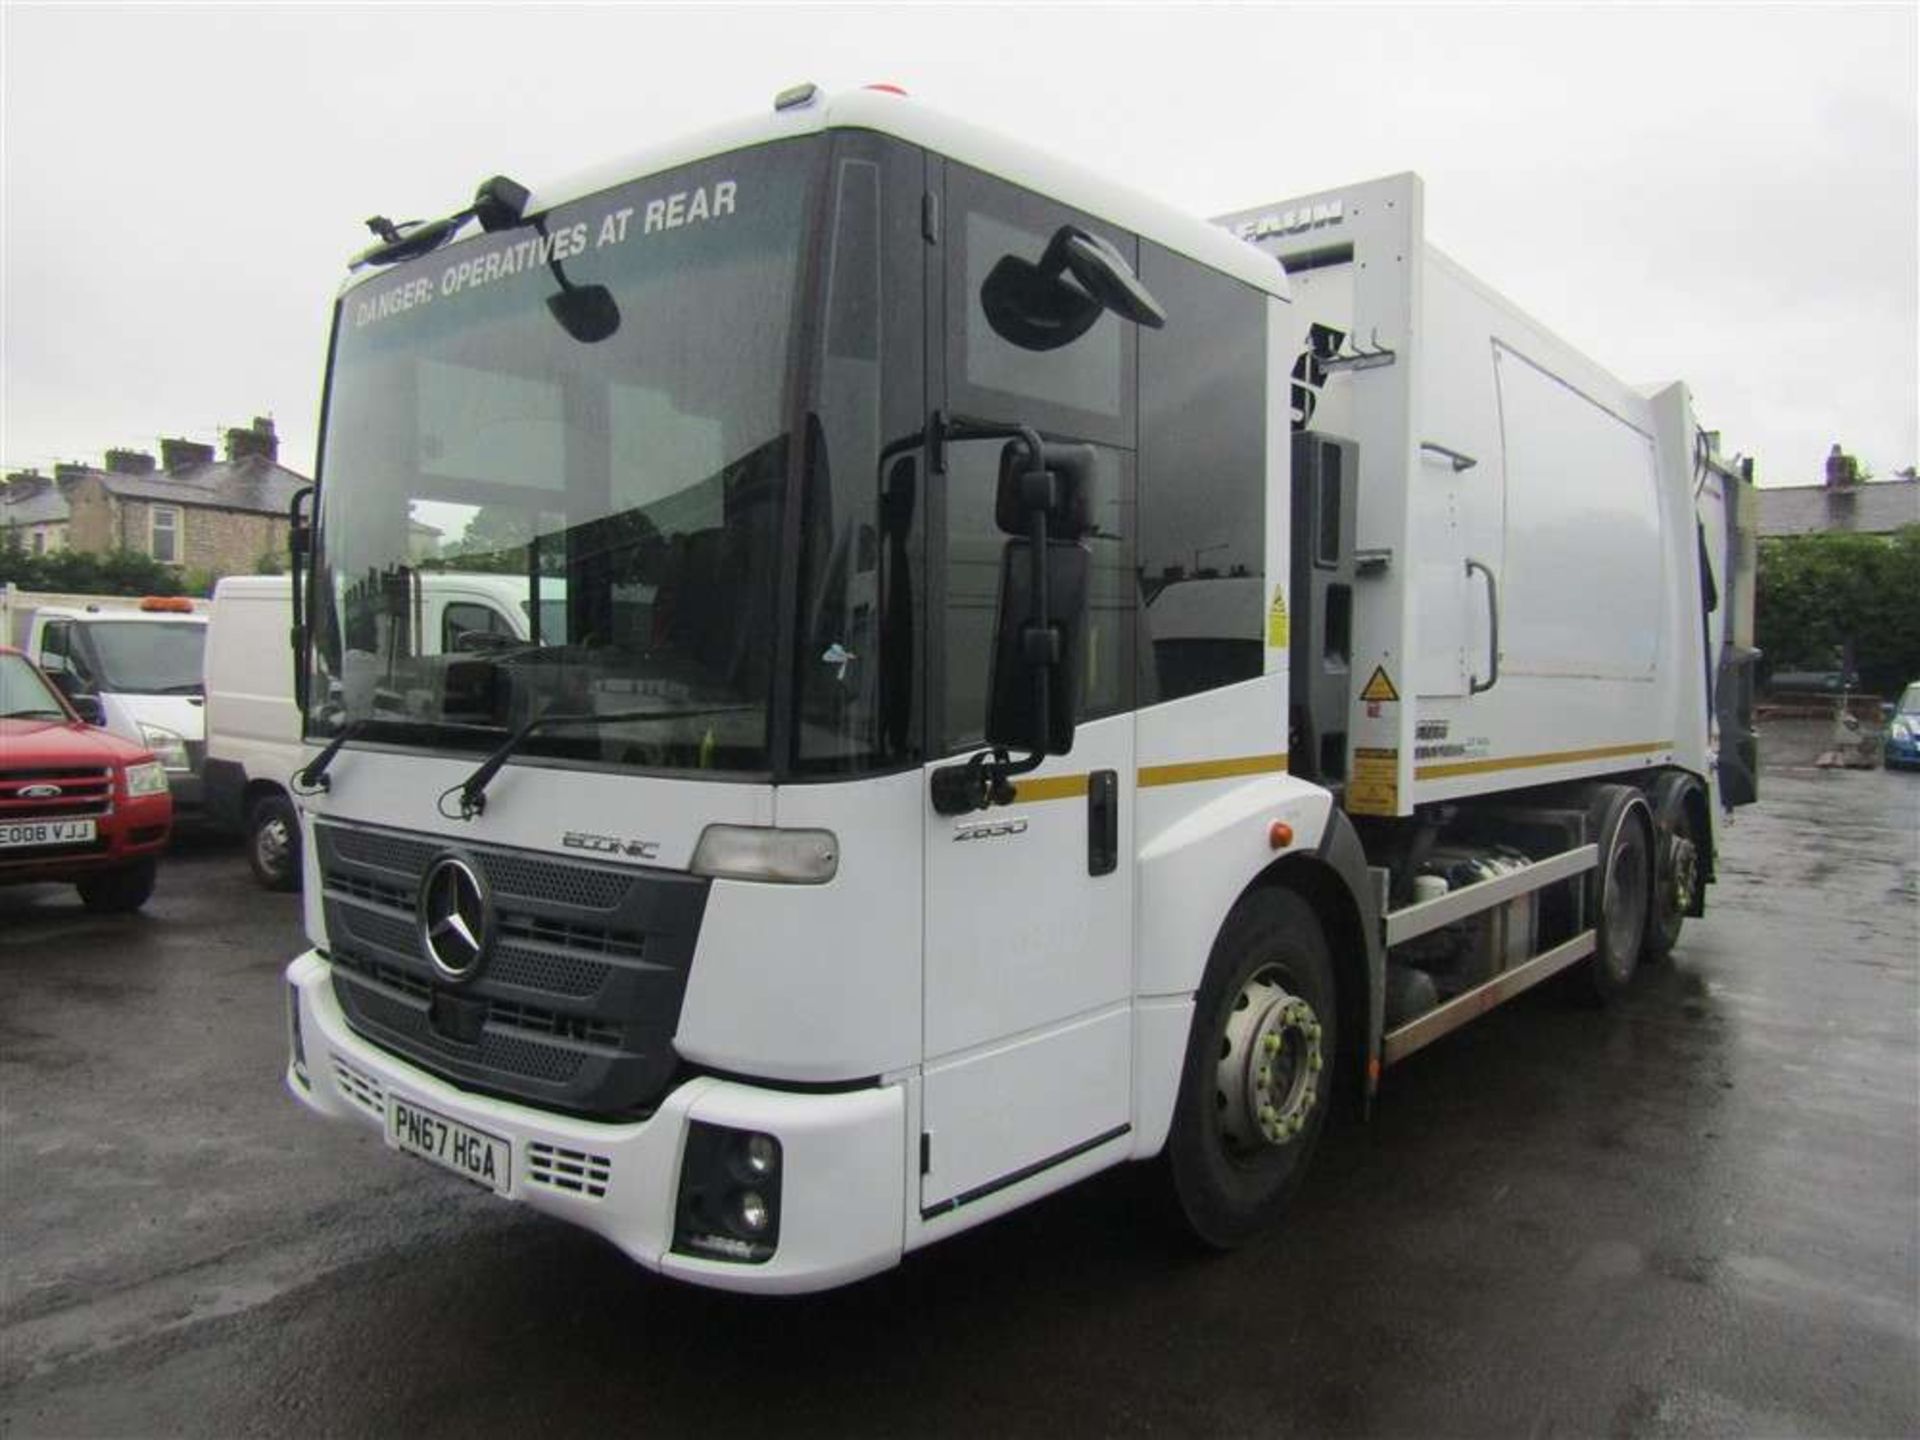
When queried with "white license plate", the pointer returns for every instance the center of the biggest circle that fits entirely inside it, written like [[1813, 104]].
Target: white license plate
[[471, 1154], [20, 833]]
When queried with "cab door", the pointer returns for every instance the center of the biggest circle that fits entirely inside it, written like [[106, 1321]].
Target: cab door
[[1029, 940]]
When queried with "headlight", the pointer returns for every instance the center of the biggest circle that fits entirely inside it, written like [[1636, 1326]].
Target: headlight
[[757, 852], [729, 1203], [164, 743], [149, 777], [1902, 728]]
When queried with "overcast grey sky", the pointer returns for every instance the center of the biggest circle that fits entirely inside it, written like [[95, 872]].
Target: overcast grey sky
[[1721, 194]]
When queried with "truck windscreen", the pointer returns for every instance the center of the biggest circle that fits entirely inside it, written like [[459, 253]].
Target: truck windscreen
[[554, 473]]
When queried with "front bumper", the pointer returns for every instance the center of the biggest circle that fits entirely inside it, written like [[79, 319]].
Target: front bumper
[[1900, 753], [188, 789], [134, 830], [843, 1205]]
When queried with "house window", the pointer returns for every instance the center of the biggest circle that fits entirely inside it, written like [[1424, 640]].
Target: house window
[[164, 535], [39, 542]]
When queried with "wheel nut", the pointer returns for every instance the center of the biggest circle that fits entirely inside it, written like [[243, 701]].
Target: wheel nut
[[1271, 1042]]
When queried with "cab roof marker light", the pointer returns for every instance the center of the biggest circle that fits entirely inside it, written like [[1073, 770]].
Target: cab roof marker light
[[759, 852], [797, 97]]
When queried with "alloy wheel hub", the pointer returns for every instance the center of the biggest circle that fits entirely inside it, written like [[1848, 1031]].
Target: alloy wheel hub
[[1269, 1071]]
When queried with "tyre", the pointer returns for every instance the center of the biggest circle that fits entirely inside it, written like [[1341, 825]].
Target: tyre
[[1620, 889], [273, 842], [117, 892], [1678, 864], [1258, 1078]]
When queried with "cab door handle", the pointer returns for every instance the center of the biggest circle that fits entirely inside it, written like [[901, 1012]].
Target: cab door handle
[[1103, 822]]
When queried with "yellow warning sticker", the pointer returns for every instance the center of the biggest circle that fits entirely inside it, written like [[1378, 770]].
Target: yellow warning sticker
[[1278, 631], [1379, 687], [1374, 786]]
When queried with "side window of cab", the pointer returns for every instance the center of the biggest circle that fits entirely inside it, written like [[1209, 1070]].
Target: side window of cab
[[1080, 389]]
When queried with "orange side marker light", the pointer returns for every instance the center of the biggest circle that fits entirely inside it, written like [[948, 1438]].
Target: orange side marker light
[[1279, 835]]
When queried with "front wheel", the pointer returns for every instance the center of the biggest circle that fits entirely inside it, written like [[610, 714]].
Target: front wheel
[[1258, 1079], [117, 892]]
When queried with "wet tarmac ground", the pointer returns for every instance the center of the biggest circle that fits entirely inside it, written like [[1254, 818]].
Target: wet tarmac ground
[[1698, 1214]]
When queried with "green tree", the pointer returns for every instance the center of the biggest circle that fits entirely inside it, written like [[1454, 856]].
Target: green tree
[[80, 572], [1819, 593]]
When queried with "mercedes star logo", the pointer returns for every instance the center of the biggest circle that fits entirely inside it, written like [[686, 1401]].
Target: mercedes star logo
[[456, 917]]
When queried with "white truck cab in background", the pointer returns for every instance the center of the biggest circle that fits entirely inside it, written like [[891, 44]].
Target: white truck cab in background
[[138, 658], [252, 723]]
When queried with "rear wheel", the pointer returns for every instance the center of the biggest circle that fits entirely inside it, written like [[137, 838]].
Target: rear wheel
[[1258, 1079], [1678, 864], [1620, 891], [116, 892], [273, 842]]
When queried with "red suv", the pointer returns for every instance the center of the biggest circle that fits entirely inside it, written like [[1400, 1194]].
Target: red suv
[[76, 803]]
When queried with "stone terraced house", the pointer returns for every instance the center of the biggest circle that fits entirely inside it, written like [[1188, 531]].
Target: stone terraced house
[[191, 509]]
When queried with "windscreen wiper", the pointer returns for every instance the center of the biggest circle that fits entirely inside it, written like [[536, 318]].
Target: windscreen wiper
[[313, 778], [473, 791]]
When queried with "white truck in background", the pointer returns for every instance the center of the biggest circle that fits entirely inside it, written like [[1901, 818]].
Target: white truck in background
[[1084, 685], [138, 657], [253, 724]]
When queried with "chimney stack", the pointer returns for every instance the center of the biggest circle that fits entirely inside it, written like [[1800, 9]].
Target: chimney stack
[[259, 440], [1843, 470], [177, 455], [129, 462]]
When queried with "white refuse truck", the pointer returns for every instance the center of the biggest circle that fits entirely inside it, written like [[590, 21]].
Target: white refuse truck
[[856, 859]]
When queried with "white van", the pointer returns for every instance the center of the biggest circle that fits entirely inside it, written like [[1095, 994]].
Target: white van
[[253, 725], [144, 667]]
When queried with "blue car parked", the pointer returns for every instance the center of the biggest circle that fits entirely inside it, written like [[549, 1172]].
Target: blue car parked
[[1903, 731]]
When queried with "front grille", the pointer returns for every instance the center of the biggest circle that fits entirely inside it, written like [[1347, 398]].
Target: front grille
[[83, 791], [558, 882], [524, 967], [576, 1172], [498, 1012], [575, 1006], [503, 1055]]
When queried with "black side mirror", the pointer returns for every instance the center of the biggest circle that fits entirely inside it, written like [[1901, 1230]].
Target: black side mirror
[[1024, 647], [1060, 491], [1034, 688], [1103, 273], [1053, 303], [88, 708], [588, 313], [69, 684]]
